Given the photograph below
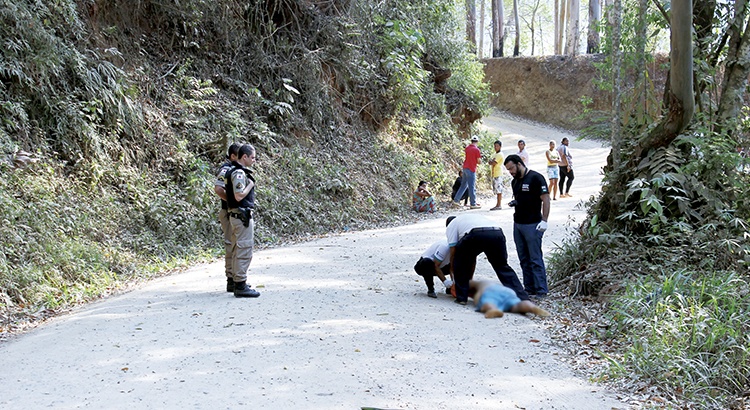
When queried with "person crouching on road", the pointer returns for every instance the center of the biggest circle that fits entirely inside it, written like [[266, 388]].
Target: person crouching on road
[[240, 190], [435, 261], [469, 235]]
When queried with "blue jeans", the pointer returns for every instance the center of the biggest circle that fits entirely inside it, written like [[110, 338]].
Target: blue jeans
[[468, 181], [529, 248]]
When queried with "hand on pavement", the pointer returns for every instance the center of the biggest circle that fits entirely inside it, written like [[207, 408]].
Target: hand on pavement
[[542, 226]]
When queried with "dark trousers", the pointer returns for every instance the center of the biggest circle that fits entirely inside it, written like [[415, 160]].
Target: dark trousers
[[564, 173], [426, 269], [491, 242]]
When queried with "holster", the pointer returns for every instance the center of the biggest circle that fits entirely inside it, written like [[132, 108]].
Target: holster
[[246, 214]]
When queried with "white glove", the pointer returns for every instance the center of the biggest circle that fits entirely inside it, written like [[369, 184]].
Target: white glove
[[542, 226], [448, 283]]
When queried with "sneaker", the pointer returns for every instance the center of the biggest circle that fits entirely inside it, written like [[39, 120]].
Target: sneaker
[[477, 206], [455, 204], [431, 293], [460, 302], [496, 208]]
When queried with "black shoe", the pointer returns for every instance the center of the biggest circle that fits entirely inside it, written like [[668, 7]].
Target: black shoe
[[448, 291], [230, 285], [460, 302], [241, 290], [431, 293]]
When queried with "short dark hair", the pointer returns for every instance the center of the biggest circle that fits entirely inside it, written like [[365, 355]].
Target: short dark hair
[[233, 149], [448, 221], [514, 159], [246, 149], [498, 143], [422, 183]]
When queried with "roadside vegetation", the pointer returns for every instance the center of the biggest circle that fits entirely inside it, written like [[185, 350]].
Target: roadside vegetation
[[115, 115], [666, 249]]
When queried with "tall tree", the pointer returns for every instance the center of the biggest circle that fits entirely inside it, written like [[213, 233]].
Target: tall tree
[[517, 46], [498, 28], [595, 14], [531, 24], [574, 14], [737, 65], [471, 23], [560, 7], [615, 21], [681, 105], [481, 29]]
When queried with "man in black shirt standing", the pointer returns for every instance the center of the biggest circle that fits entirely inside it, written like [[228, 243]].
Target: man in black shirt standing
[[529, 223]]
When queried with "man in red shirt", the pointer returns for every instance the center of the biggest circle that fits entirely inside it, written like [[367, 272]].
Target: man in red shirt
[[469, 180]]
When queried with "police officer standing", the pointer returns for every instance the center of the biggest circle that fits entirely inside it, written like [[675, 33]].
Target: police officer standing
[[226, 226], [240, 191]]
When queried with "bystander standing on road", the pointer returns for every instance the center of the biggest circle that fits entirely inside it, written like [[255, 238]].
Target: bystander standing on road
[[529, 223], [566, 168], [553, 171], [469, 178], [523, 153], [500, 177]]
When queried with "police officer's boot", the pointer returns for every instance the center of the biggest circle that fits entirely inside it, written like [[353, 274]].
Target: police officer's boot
[[241, 290], [230, 285]]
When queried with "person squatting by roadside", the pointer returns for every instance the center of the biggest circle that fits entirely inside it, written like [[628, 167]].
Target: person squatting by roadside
[[529, 223], [469, 179], [493, 299], [566, 168], [240, 192], [422, 200], [457, 186], [226, 227], [435, 261], [469, 235]]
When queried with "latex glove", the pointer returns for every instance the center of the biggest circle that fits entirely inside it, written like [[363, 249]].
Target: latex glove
[[448, 283], [542, 226]]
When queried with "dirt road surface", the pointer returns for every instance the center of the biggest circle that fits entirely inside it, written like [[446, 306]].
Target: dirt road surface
[[342, 323]]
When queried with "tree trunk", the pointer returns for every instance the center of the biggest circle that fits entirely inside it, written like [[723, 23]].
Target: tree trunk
[[681, 107], [571, 43], [560, 6], [498, 28], [595, 14], [737, 68], [616, 22], [481, 29], [517, 46], [471, 24]]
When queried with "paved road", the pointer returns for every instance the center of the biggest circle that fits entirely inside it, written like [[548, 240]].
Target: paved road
[[343, 322]]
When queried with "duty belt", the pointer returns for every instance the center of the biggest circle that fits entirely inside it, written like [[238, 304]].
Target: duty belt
[[486, 228]]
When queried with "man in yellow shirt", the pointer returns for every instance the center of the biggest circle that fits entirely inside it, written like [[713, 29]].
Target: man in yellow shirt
[[500, 179]]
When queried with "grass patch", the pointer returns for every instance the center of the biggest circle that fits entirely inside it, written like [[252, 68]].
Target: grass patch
[[686, 332]]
